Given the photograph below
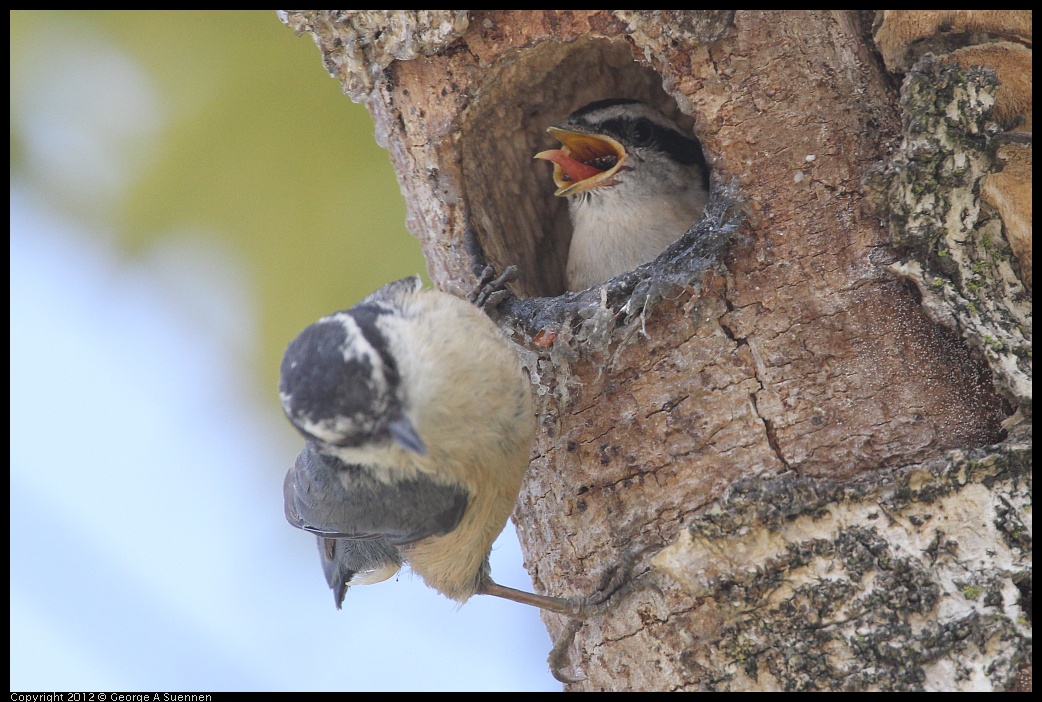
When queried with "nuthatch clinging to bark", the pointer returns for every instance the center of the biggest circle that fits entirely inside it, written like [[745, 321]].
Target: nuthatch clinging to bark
[[419, 426], [635, 183]]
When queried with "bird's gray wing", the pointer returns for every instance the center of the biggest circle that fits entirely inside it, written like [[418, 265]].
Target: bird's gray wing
[[338, 500]]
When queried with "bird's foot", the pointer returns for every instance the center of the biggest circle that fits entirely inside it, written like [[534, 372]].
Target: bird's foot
[[491, 289], [616, 582]]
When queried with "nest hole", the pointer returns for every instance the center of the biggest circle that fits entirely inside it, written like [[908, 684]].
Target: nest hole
[[514, 213]]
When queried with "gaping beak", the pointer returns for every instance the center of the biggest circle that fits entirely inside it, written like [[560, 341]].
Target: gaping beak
[[586, 161]]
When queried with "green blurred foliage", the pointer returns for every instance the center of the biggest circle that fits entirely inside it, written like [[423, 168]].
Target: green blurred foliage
[[258, 147]]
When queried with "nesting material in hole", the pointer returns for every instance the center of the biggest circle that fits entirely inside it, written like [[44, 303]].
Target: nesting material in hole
[[516, 217]]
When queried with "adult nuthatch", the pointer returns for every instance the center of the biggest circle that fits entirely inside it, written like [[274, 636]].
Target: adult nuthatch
[[635, 182], [419, 424]]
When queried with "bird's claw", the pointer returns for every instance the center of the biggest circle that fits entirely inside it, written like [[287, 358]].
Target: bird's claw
[[490, 289], [558, 657], [613, 581], [616, 582]]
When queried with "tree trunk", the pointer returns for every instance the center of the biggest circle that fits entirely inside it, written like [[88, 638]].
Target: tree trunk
[[809, 420]]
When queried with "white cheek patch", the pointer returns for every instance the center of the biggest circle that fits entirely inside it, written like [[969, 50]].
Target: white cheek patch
[[326, 430]]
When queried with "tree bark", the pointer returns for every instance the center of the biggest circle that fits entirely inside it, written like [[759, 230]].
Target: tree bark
[[809, 420]]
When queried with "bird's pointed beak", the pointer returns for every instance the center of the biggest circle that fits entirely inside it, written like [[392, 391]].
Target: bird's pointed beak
[[404, 434], [586, 161]]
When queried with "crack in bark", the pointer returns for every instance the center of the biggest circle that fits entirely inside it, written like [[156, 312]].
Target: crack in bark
[[667, 406], [769, 429], [772, 436]]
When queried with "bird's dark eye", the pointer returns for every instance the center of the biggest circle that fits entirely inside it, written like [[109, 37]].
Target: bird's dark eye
[[642, 132]]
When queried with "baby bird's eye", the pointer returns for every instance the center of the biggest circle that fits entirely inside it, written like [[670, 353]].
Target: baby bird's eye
[[642, 132]]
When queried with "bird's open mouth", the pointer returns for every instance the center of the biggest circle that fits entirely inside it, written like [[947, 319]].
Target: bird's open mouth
[[586, 161]]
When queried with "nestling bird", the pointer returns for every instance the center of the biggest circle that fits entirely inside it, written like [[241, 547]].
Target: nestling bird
[[419, 423], [635, 183]]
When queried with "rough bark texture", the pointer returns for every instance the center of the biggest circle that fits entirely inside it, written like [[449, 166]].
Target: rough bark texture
[[795, 415]]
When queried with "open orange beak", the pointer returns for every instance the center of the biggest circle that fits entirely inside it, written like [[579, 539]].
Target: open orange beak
[[586, 161]]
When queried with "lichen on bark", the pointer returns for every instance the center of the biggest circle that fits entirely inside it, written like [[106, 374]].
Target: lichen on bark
[[956, 250], [874, 584]]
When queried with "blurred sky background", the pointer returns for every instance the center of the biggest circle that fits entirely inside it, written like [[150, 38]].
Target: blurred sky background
[[189, 190]]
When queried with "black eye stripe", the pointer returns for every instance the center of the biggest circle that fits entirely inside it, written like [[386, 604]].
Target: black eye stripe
[[642, 132], [681, 148], [684, 149]]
